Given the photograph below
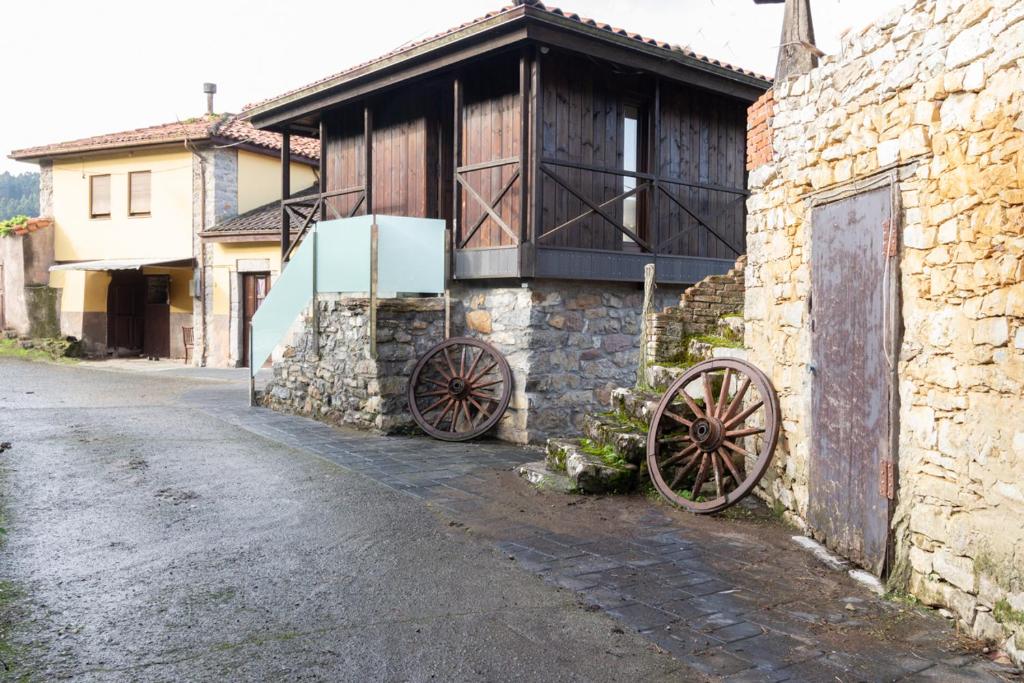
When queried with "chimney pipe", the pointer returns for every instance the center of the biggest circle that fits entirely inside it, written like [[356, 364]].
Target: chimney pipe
[[797, 52], [210, 89]]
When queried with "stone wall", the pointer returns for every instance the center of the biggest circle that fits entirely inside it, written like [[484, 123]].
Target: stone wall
[[696, 313], [568, 345], [344, 385], [934, 91]]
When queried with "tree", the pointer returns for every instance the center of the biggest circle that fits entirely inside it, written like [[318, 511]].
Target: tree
[[19, 194]]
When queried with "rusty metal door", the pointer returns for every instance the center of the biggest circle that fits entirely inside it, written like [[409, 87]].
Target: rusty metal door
[[850, 470]]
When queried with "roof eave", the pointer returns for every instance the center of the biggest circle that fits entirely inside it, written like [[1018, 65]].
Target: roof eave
[[274, 113], [42, 155]]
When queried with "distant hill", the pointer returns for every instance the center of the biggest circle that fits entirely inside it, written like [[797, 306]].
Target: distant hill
[[19, 194]]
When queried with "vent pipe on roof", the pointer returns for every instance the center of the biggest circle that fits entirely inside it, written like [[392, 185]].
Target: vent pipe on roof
[[797, 51], [210, 89]]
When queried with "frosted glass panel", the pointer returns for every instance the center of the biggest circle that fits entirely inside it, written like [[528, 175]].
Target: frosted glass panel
[[343, 255], [292, 291], [410, 255]]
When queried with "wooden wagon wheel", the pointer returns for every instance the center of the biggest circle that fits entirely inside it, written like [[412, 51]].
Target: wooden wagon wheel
[[713, 434], [459, 389]]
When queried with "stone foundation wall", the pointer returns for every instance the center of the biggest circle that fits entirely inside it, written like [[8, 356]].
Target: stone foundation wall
[[696, 313], [934, 92], [568, 345]]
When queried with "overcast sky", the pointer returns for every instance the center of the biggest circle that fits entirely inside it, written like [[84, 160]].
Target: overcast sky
[[84, 68]]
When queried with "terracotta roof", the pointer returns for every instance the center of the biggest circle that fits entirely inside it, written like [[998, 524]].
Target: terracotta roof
[[262, 219], [533, 4], [216, 128]]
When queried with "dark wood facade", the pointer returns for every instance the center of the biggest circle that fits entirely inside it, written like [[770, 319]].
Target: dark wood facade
[[547, 163]]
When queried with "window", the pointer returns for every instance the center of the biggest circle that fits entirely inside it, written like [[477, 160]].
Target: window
[[99, 196], [630, 162], [158, 289], [139, 191]]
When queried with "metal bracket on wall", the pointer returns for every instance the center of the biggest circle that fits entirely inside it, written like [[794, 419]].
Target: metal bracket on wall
[[887, 479]]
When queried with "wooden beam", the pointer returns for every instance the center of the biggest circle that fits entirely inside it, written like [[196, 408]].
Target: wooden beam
[[497, 219], [701, 220], [286, 192], [533, 179], [494, 203], [597, 209], [368, 157]]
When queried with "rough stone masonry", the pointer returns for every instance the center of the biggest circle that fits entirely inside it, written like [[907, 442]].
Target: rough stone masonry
[[568, 345], [934, 90]]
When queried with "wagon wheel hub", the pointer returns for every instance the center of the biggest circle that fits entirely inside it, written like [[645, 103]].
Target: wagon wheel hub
[[457, 387], [707, 433]]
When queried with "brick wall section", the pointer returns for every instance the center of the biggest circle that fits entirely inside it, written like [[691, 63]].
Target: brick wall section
[[698, 312], [759, 131]]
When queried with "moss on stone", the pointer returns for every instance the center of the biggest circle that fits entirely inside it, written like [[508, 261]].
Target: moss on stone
[[1004, 613], [608, 455], [716, 340]]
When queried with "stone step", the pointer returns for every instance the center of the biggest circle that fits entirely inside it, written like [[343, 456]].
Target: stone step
[[627, 436], [590, 468], [634, 404], [540, 476]]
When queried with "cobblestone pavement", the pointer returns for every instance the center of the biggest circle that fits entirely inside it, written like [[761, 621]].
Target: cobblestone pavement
[[735, 599]]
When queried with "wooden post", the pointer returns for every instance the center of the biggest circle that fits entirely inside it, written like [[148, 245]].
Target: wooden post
[[456, 162], [286, 189], [252, 372], [323, 171], [655, 169], [524, 161], [645, 326], [536, 151], [368, 158], [373, 289], [316, 303]]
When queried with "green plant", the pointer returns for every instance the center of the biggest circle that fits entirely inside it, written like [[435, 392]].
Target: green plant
[[8, 226], [606, 453]]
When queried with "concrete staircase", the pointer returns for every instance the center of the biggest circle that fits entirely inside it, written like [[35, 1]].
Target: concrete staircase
[[610, 455]]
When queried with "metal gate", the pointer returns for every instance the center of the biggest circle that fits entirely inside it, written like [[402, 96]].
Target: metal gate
[[851, 473]]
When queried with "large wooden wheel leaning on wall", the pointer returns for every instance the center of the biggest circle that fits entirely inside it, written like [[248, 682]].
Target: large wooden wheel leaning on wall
[[713, 435], [459, 389]]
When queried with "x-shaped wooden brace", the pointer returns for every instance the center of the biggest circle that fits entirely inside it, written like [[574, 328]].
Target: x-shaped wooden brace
[[489, 208]]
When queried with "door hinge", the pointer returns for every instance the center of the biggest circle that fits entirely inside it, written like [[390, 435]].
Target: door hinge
[[890, 240], [887, 480]]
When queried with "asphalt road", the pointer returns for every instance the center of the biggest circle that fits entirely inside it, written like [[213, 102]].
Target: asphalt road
[[149, 540]]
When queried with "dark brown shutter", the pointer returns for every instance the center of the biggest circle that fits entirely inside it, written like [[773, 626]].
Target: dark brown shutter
[[99, 195], [139, 192]]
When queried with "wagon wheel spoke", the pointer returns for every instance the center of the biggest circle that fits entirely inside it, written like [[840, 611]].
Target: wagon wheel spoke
[[709, 401], [679, 456], [739, 433], [724, 393], [731, 466], [447, 407], [698, 458], [744, 415], [737, 400], [430, 380], [480, 408], [691, 452], [702, 472], [437, 366], [718, 473]]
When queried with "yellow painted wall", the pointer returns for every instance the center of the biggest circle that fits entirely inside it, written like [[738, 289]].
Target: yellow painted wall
[[165, 233], [225, 257], [81, 291], [259, 179]]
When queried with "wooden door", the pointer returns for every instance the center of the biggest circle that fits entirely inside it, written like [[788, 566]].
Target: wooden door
[[157, 336], [851, 380], [126, 297], [255, 287]]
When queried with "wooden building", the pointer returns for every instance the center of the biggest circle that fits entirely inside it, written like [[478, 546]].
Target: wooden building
[[555, 146]]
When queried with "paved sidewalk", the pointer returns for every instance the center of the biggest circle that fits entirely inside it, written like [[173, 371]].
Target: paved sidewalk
[[736, 600]]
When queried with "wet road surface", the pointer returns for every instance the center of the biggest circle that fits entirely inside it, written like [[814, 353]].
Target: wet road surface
[[150, 540]]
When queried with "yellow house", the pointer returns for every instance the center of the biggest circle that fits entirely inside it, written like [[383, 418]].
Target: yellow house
[[129, 209]]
